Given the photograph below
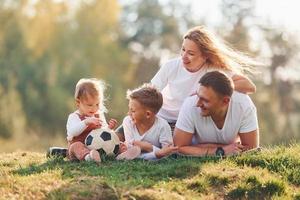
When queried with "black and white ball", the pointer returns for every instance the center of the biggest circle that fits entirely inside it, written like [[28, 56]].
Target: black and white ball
[[103, 140]]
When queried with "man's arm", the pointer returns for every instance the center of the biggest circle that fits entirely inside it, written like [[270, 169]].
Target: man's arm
[[249, 140], [183, 140]]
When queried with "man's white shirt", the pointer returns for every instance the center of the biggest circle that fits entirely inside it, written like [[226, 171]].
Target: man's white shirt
[[176, 84], [240, 118]]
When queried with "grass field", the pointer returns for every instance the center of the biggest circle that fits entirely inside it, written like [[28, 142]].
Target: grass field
[[273, 173]]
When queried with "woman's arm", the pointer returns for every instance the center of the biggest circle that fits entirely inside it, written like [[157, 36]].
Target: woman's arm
[[243, 84]]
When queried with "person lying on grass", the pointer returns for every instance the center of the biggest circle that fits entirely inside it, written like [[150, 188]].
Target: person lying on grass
[[143, 129], [221, 121]]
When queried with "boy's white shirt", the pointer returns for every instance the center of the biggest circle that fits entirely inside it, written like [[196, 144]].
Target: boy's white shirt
[[175, 84], [75, 126], [159, 135], [240, 118]]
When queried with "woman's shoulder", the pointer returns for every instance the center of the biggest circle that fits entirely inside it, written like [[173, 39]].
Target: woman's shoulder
[[174, 62]]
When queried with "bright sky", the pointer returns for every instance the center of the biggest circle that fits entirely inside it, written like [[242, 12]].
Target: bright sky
[[284, 12]]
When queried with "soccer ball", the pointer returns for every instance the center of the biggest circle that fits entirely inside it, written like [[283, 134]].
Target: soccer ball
[[103, 140]]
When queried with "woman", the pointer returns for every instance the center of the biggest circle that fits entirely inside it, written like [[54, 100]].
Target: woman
[[201, 52]]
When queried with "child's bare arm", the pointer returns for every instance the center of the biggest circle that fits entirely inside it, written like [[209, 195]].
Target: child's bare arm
[[112, 123], [93, 121], [165, 151], [145, 146]]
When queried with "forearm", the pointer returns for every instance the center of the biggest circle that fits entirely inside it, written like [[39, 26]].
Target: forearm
[[145, 146], [209, 145], [244, 86], [197, 150]]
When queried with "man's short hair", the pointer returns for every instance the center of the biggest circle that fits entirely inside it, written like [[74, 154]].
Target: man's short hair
[[148, 96], [219, 82]]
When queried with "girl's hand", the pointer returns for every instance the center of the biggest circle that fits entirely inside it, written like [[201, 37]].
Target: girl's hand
[[112, 123], [93, 121]]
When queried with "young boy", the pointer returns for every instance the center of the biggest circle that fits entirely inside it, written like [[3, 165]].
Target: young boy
[[143, 129]]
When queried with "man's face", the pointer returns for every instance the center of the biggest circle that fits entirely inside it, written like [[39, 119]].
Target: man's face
[[209, 101]]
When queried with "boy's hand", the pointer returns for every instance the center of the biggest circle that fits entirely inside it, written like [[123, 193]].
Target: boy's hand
[[123, 147], [165, 151], [93, 121], [112, 123], [145, 146]]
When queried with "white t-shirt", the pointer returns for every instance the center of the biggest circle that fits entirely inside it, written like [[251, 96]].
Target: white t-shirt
[[175, 84], [159, 135], [240, 118], [75, 126]]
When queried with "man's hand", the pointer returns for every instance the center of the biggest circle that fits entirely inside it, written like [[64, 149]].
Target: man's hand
[[165, 151], [145, 146], [233, 149]]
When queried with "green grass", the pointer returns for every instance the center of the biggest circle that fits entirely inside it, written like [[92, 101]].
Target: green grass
[[272, 173]]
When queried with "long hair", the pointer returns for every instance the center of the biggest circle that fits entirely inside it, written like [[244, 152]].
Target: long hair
[[218, 53]]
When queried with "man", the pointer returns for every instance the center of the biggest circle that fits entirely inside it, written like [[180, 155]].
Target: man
[[223, 122]]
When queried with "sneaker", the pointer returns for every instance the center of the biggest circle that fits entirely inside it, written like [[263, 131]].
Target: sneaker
[[130, 154], [95, 156], [57, 151]]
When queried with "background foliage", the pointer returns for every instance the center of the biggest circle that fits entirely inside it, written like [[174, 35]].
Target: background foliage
[[47, 46]]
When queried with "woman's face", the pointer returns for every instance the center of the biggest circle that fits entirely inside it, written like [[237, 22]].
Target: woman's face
[[191, 56]]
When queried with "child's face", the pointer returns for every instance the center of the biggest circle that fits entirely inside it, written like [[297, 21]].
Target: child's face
[[137, 112], [88, 106]]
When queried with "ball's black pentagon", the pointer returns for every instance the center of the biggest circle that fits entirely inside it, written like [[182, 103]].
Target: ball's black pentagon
[[105, 136], [89, 140], [116, 149]]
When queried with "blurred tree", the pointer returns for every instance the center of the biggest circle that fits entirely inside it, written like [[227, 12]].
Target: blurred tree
[[284, 48], [152, 33], [12, 58], [239, 22], [46, 47]]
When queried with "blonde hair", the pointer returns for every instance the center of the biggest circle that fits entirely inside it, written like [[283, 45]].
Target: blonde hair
[[91, 87], [148, 96], [218, 53]]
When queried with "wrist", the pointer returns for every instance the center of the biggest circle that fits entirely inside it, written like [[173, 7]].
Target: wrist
[[220, 151]]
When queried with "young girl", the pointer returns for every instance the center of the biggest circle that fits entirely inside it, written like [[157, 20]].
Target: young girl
[[88, 116]]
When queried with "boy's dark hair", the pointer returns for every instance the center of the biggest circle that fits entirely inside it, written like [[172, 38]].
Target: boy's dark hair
[[219, 82], [148, 96]]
